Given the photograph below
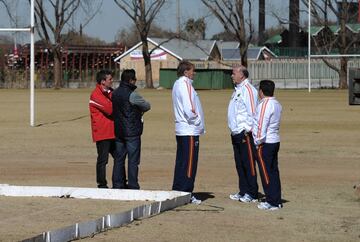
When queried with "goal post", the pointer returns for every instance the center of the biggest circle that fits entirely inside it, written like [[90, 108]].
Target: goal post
[[31, 30]]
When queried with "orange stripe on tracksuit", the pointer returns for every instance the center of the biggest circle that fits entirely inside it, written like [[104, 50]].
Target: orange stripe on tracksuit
[[251, 99], [262, 165], [188, 86], [261, 119], [190, 161], [251, 158]]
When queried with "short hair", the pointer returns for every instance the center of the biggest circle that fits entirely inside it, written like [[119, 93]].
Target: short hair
[[184, 66], [127, 75], [245, 72], [267, 87], [242, 69], [101, 75]]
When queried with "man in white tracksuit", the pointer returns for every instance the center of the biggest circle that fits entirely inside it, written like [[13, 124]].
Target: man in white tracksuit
[[189, 125], [241, 119], [267, 139]]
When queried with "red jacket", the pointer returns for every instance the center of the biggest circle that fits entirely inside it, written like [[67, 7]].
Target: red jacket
[[102, 122]]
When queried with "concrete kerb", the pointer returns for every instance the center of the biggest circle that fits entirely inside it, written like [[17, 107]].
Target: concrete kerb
[[164, 200]]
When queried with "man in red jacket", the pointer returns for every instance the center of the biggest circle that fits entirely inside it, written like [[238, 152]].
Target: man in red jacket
[[102, 125]]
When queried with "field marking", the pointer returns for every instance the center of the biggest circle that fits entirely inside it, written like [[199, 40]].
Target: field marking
[[164, 200]]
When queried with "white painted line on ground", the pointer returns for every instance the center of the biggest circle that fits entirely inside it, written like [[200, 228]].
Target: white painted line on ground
[[164, 200], [92, 193]]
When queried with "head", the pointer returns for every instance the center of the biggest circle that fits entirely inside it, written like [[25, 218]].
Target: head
[[239, 74], [129, 76], [266, 88], [104, 78], [187, 69]]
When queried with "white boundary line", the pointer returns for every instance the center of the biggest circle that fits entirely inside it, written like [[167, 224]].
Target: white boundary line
[[164, 200], [90, 193]]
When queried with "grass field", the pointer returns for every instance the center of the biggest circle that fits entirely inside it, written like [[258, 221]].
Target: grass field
[[319, 164]]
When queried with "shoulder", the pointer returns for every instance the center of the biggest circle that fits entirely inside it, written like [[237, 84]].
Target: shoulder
[[96, 93]]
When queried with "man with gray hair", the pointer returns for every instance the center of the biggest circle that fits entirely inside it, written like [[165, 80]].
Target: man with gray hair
[[241, 119]]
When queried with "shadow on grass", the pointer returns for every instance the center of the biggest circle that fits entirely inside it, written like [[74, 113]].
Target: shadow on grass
[[203, 196], [261, 197], [62, 121]]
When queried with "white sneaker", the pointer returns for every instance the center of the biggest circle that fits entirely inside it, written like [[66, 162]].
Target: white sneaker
[[193, 200], [235, 197], [268, 206], [247, 199]]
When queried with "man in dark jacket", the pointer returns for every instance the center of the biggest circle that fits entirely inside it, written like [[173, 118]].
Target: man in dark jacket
[[128, 108], [102, 126]]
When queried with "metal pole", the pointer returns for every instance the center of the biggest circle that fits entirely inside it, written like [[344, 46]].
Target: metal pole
[[14, 29], [309, 45], [32, 66]]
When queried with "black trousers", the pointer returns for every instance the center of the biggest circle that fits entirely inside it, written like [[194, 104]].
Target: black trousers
[[104, 148], [269, 172], [244, 155], [187, 154]]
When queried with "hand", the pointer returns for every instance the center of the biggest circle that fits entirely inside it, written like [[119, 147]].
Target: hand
[[197, 121]]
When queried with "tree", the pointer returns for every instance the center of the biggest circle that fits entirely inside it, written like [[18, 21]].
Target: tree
[[196, 29], [130, 36], [261, 22], [270, 32], [230, 13], [6, 40], [294, 18], [50, 27], [224, 35], [73, 37], [142, 13], [321, 10]]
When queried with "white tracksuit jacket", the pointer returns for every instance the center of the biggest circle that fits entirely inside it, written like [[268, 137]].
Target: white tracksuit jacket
[[268, 118], [242, 108], [189, 116]]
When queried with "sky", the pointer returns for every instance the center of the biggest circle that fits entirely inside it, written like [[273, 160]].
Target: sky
[[110, 19]]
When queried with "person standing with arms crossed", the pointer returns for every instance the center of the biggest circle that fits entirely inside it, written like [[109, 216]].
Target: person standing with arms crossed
[[189, 125], [102, 125], [267, 139], [241, 119], [128, 110]]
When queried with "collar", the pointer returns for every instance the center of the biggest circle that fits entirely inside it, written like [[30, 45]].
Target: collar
[[267, 98], [238, 86], [184, 78], [104, 90], [128, 85]]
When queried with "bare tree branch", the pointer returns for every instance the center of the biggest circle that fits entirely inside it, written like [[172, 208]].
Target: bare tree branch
[[8, 11], [231, 15], [142, 16]]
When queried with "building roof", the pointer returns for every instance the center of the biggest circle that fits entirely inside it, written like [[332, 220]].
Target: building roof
[[276, 39], [354, 27], [314, 30], [253, 53], [227, 44], [179, 48]]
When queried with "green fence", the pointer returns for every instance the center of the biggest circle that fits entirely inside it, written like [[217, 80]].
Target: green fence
[[204, 78]]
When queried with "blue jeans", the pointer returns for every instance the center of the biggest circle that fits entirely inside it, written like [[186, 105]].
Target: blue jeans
[[131, 147]]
